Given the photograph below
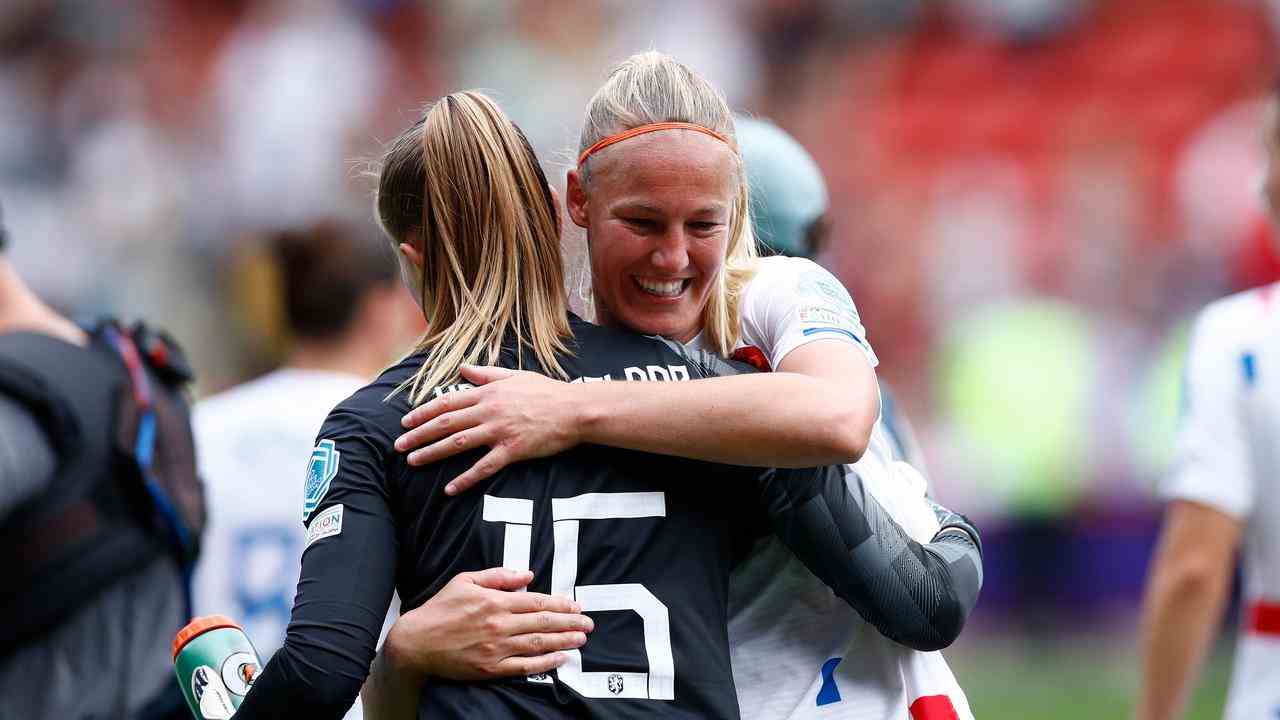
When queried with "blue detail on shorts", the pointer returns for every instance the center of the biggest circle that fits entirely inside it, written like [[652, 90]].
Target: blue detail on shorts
[[829, 693], [1249, 366], [841, 331]]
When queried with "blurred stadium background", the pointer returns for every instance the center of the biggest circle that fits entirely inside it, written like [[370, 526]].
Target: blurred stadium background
[[1030, 198]]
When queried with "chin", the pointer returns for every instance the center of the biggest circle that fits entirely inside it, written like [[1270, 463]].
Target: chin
[[681, 332], [646, 324]]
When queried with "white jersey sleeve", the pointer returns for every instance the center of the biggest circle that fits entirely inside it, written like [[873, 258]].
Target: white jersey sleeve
[[793, 301], [1213, 463]]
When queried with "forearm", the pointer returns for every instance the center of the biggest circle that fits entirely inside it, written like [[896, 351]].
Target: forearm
[[293, 686], [917, 595], [391, 692], [777, 419], [1180, 618]]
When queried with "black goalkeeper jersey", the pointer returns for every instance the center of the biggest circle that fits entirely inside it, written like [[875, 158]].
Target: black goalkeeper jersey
[[643, 543]]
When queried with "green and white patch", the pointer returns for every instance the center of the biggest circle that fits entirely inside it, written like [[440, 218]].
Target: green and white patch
[[321, 470], [826, 293]]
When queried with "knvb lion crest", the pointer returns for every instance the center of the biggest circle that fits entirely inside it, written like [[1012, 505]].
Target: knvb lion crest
[[321, 470], [615, 684]]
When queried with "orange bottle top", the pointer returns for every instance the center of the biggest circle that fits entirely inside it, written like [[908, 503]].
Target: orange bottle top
[[200, 626]]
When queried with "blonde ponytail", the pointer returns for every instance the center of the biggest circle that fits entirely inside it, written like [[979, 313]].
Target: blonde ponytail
[[464, 186]]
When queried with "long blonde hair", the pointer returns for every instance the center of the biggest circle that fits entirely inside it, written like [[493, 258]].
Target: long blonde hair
[[464, 186], [651, 87]]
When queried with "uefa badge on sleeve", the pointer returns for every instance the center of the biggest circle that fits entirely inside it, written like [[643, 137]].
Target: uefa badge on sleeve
[[321, 470]]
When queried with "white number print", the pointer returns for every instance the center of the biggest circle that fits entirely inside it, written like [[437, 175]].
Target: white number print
[[566, 514], [517, 515]]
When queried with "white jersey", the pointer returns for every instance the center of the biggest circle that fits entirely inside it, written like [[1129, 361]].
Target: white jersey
[[1229, 459], [799, 651], [249, 441]]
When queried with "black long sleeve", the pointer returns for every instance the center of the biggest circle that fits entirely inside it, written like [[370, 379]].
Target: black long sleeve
[[917, 595], [346, 583]]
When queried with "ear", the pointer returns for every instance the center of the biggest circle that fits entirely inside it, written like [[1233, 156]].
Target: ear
[[412, 254], [556, 202], [411, 264], [558, 209], [577, 199]]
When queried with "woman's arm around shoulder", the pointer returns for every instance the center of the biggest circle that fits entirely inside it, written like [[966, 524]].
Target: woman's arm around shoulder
[[817, 407]]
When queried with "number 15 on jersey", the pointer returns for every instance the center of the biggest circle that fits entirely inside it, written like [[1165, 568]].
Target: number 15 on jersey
[[516, 514]]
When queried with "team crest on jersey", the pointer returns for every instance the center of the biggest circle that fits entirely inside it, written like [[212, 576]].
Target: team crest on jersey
[[321, 471], [615, 684]]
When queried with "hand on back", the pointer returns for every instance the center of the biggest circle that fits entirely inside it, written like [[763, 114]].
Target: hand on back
[[478, 627], [518, 415]]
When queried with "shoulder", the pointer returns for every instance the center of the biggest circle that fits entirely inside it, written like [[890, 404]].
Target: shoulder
[[787, 282], [597, 350], [1226, 330], [378, 406], [595, 338], [794, 301], [221, 419], [230, 402], [1234, 319], [780, 270], [355, 445]]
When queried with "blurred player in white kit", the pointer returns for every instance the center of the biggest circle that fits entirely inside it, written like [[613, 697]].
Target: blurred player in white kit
[[348, 316], [1223, 496]]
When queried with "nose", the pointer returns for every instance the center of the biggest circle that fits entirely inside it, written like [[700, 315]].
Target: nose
[[671, 253]]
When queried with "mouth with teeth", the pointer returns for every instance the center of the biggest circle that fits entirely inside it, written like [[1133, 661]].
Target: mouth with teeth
[[662, 288]]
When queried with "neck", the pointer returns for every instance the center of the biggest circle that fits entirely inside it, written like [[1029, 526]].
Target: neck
[[349, 355], [600, 312], [21, 310]]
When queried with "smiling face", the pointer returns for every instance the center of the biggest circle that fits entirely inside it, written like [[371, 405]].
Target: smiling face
[[657, 210]]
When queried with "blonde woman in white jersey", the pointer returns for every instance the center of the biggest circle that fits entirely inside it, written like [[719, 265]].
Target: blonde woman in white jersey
[[672, 254], [1223, 497], [779, 634]]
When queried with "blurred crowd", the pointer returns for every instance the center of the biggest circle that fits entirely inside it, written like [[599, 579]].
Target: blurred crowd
[[1030, 197]]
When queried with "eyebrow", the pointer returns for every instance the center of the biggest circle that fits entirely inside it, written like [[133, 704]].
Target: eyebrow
[[636, 206], [643, 207]]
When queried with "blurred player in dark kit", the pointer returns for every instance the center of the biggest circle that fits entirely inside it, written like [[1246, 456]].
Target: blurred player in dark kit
[[100, 513]]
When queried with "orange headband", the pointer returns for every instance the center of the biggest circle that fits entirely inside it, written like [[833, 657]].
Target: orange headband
[[652, 127]]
